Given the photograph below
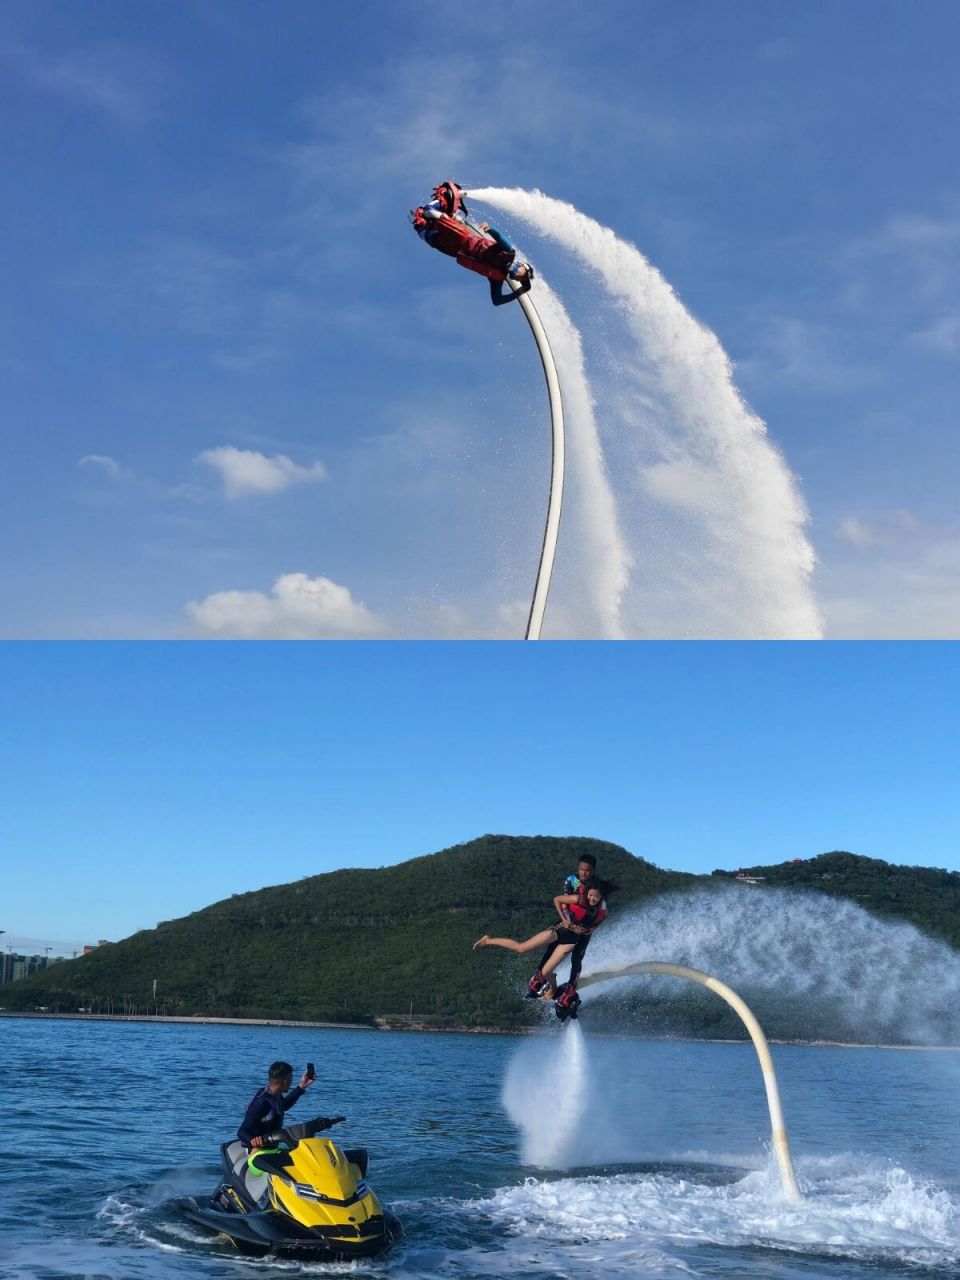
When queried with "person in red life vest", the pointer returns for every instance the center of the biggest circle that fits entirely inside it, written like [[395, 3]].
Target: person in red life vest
[[443, 223], [580, 914], [577, 883]]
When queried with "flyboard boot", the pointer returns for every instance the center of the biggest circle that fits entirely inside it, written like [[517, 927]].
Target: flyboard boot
[[567, 1002], [537, 986]]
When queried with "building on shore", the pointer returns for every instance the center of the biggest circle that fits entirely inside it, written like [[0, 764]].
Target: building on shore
[[14, 966]]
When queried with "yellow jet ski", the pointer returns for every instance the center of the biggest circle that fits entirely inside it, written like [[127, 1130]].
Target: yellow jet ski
[[298, 1194]]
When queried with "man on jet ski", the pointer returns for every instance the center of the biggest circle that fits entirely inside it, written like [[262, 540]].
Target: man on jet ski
[[269, 1105], [443, 223]]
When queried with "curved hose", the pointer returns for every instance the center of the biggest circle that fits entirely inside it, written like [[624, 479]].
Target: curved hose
[[778, 1130], [551, 530]]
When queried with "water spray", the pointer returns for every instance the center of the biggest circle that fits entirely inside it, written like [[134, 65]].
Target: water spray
[[778, 1130], [713, 505]]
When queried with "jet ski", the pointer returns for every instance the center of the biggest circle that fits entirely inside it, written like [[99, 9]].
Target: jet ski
[[297, 1195]]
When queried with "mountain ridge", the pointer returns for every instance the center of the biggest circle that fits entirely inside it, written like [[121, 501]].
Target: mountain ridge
[[357, 943]]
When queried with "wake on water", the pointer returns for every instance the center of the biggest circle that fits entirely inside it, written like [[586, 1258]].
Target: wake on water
[[704, 533], [854, 1209]]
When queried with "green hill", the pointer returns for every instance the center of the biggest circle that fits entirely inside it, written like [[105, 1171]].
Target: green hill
[[927, 897], [350, 944], [354, 944]]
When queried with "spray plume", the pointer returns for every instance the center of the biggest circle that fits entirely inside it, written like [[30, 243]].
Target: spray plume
[[556, 1069], [598, 575], [712, 503], [798, 955]]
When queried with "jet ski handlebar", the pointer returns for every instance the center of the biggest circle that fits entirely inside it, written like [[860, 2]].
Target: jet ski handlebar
[[292, 1134]]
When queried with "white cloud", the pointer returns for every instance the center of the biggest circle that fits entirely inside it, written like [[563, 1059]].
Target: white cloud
[[792, 352], [244, 471], [911, 261], [856, 532], [298, 608], [911, 231], [110, 76], [890, 531], [102, 462], [942, 335], [903, 584]]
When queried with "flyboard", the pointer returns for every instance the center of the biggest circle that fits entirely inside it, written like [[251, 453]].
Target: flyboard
[[565, 998]]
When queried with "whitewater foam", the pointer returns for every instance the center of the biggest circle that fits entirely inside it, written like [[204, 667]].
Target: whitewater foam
[[707, 505], [854, 1209]]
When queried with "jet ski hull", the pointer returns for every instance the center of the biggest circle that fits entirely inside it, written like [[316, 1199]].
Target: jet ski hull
[[265, 1232]]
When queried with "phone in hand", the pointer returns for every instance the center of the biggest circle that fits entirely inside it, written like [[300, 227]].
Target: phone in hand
[[310, 1072]]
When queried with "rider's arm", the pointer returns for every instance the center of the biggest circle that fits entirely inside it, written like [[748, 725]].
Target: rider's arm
[[501, 292], [560, 901], [293, 1096]]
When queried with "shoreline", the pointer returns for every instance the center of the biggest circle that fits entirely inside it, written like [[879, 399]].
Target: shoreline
[[385, 1024], [200, 1019]]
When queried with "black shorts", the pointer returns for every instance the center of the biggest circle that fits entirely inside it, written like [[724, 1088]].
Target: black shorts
[[568, 937]]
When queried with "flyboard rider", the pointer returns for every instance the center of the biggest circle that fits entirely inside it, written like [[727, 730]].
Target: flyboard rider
[[580, 912], [443, 223]]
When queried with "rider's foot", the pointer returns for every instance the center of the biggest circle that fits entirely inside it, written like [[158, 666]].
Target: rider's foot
[[481, 942]]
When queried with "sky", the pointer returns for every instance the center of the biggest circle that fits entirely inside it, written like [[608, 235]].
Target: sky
[[139, 782], [240, 398]]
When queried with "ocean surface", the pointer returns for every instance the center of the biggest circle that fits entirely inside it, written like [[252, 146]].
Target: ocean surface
[[565, 1154]]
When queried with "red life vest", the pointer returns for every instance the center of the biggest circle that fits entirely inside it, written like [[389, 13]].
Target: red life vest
[[583, 914]]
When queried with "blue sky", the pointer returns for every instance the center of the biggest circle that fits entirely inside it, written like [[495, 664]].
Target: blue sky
[[228, 366], [140, 782]]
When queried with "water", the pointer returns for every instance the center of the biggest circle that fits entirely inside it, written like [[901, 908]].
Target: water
[[659, 1164], [704, 535]]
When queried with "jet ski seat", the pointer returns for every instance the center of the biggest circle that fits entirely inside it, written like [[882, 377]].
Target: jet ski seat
[[255, 1183]]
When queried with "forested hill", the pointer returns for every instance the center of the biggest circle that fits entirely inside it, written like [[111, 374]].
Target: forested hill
[[927, 897], [354, 944], [350, 944]]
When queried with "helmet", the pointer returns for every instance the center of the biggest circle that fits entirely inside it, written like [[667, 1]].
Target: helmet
[[450, 196]]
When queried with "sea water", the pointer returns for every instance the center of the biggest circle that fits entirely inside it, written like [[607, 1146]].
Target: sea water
[[564, 1154]]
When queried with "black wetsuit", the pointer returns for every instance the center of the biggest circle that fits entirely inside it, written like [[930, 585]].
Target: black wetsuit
[[265, 1113]]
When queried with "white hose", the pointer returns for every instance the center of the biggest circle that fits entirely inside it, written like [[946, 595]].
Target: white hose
[[552, 528], [778, 1130]]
